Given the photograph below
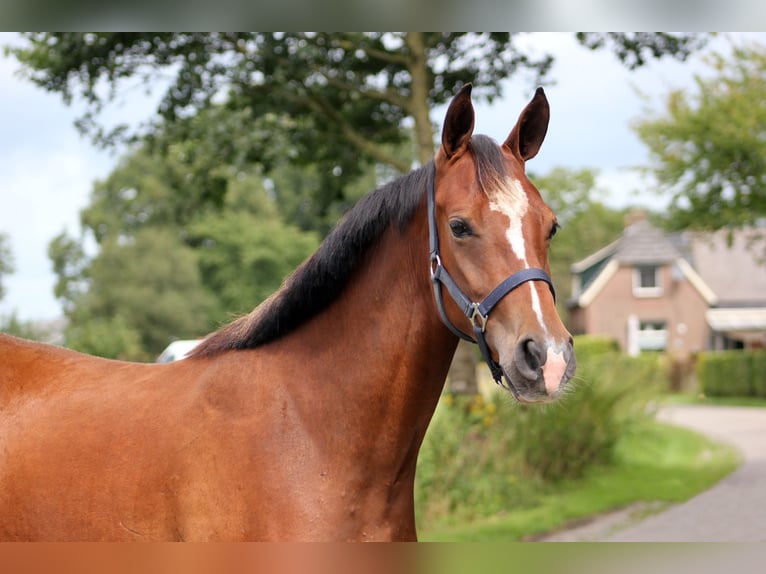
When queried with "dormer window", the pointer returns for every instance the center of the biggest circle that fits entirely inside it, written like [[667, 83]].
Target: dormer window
[[646, 281]]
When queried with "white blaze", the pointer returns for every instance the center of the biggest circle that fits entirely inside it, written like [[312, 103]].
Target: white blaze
[[553, 371], [512, 201]]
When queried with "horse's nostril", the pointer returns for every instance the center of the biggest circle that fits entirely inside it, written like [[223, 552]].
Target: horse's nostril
[[535, 355], [530, 356]]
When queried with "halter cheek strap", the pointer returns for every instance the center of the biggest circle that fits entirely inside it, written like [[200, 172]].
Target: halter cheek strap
[[477, 313]]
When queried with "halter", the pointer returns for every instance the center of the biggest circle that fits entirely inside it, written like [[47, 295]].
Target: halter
[[477, 313]]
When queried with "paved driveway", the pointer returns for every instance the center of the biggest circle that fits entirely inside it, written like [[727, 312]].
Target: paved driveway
[[734, 510]]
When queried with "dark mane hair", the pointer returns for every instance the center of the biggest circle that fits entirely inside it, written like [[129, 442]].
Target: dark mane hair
[[322, 277]]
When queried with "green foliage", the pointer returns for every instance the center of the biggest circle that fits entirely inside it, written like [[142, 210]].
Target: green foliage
[[612, 395], [244, 257], [655, 464], [143, 190], [481, 456], [70, 266], [110, 337], [758, 373], [280, 56], [568, 192], [586, 223], [587, 346], [736, 373], [222, 146], [150, 287], [297, 67], [468, 465], [12, 325], [708, 148], [6, 261], [634, 48], [250, 107], [172, 262], [349, 93]]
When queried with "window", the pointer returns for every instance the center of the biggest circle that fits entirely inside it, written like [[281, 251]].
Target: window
[[646, 281], [652, 336], [647, 277]]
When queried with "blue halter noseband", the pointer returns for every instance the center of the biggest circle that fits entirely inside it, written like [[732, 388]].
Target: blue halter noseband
[[477, 313]]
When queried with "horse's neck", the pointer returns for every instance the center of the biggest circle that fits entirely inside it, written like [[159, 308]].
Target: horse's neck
[[381, 344]]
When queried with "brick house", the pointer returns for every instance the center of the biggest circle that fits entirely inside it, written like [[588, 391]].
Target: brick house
[[680, 293]]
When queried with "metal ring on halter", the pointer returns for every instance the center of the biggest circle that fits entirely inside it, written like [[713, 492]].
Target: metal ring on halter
[[478, 319], [436, 263]]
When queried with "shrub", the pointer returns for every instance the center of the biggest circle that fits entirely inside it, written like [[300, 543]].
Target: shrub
[[483, 456], [611, 395], [587, 346], [468, 465], [758, 373], [732, 373]]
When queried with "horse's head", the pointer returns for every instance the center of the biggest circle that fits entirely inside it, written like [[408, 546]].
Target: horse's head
[[491, 223]]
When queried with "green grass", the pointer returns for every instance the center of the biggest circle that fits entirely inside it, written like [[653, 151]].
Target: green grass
[[655, 462]]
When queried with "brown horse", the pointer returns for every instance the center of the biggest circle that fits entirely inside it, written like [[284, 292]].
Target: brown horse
[[303, 419]]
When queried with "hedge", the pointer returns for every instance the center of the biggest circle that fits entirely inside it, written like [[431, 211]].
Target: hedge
[[732, 373], [587, 346]]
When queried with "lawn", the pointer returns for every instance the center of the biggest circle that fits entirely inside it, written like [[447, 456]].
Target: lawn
[[654, 463]]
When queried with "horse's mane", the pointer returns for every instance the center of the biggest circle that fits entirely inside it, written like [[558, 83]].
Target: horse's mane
[[321, 278]]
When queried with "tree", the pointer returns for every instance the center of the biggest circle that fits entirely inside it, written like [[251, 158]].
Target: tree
[[107, 336], [150, 287], [708, 148], [244, 254], [635, 48], [347, 99], [70, 265], [6, 261], [586, 223], [170, 264]]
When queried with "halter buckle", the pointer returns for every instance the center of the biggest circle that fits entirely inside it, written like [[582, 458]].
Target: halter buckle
[[477, 318]]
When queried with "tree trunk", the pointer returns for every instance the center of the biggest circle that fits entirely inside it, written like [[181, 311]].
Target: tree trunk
[[419, 106], [461, 378]]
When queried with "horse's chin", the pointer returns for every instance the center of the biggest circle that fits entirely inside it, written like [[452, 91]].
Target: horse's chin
[[525, 391]]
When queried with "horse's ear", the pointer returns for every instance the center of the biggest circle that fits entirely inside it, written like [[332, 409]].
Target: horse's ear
[[458, 124], [528, 134]]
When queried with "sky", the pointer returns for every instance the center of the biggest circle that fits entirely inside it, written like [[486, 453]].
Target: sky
[[47, 169]]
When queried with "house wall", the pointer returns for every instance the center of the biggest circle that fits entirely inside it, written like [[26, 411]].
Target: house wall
[[680, 306], [577, 321]]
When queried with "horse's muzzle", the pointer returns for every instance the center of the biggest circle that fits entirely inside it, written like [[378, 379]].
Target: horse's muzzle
[[538, 370]]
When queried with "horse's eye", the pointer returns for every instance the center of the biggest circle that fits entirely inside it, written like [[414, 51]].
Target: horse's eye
[[460, 228], [553, 231]]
